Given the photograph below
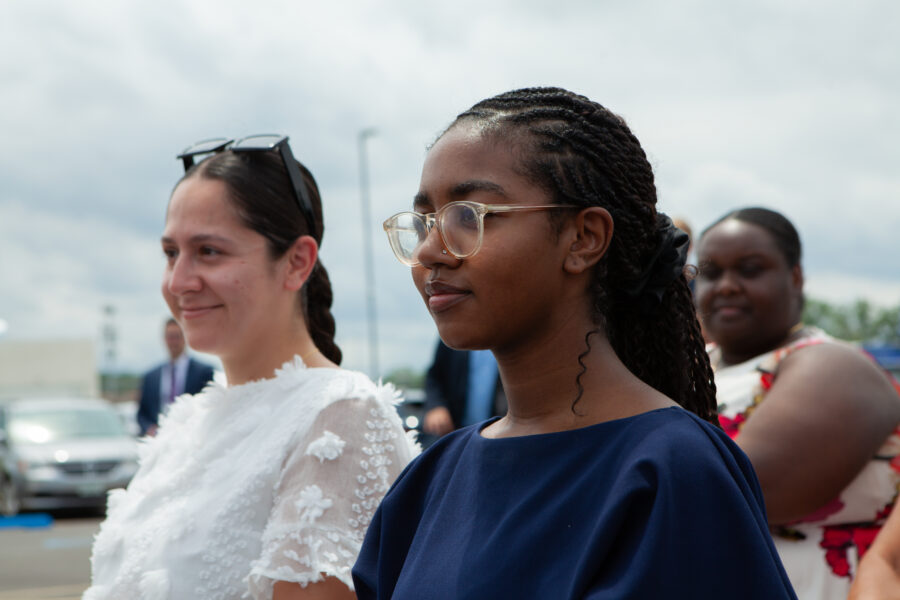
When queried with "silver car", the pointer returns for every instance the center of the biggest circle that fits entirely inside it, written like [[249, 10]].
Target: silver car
[[61, 453]]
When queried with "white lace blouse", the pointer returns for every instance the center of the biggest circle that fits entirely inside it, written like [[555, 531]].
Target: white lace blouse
[[273, 480]]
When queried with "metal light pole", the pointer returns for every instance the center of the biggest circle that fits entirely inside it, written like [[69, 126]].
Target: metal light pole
[[371, 317], [109, 350]]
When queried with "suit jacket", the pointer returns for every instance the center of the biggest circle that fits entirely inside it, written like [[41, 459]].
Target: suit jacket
[[447, 384], [198, 375]]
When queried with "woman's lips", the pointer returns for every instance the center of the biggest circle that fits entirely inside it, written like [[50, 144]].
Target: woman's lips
[[728, 312], [442, 296], [197, 311]]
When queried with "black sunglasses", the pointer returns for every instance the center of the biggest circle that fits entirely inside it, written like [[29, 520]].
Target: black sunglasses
[[259, 143]]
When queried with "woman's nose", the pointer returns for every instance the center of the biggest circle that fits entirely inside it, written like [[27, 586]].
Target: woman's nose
[[433, 251], [181, 276], [728, 283]]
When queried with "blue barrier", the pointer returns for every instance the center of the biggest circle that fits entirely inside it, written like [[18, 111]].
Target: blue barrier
[[887, 356], [27, 521]]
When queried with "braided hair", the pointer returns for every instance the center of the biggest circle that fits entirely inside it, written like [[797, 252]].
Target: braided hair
[[260, 190], [582, 154]]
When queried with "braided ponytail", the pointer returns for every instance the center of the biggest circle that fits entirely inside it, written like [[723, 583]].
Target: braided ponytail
[[318, 310], [583, 154]]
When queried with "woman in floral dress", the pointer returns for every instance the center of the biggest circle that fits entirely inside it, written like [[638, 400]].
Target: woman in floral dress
[[816, 416]]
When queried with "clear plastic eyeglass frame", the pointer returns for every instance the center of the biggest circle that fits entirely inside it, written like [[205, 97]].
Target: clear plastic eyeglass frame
[[421, 224]]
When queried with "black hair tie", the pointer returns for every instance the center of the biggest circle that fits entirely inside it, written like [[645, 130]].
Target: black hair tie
[[664, 267]]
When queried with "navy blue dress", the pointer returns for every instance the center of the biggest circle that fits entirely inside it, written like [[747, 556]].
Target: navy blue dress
[[658, 505]]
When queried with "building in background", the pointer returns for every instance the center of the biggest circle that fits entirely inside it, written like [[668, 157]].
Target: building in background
[[48, 368]]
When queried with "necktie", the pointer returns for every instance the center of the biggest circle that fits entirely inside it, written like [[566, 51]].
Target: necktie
[[172, 391]]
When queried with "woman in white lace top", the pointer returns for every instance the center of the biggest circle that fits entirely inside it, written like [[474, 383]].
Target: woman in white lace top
[[261, 487]]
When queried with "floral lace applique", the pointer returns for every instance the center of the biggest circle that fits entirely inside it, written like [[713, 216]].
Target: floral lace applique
[[311, 505], [327, 447], [269, 498]]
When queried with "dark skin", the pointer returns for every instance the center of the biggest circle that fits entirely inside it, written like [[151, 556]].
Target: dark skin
[[830, 408], [747, 295], [525, 292]]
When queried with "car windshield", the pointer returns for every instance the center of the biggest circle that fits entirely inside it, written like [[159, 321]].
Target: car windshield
[[41, 426]]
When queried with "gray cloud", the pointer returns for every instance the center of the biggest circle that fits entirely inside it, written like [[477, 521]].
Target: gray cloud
[[789, 106]]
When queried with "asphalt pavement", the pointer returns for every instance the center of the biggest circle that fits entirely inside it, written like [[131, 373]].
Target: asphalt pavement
[[44, 557]]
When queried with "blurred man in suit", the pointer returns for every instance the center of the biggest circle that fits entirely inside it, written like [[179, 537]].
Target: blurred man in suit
[[462, 387], [181, 374]]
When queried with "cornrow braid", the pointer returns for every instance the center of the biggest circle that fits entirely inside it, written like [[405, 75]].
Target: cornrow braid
[[580, 153]]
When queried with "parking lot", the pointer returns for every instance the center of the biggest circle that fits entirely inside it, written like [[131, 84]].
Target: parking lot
[[45, 556]]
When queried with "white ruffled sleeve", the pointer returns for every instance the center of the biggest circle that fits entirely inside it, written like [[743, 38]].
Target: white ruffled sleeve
[[329, 489]]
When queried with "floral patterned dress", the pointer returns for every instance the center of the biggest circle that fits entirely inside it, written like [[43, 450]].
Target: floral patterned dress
[[821, 550], [246, 485]]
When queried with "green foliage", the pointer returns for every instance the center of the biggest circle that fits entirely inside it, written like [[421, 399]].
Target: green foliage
[[406, 379], [119, 382], [859, 321]]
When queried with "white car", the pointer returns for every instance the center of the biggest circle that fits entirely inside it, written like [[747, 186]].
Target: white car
[[62, 453]]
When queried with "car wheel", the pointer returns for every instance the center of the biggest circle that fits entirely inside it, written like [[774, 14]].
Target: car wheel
[[10, 504]]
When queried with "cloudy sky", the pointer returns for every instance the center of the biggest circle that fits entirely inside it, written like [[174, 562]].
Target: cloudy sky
[[788, 105]]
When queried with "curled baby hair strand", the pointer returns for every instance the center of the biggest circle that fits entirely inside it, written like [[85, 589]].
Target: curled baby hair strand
[[581, 357]]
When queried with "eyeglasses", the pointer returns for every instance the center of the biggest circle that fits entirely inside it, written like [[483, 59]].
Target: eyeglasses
[[259, 143], [460, 225]]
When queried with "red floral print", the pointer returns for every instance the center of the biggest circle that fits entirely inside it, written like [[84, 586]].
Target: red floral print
[[837, 539], [732, 426]]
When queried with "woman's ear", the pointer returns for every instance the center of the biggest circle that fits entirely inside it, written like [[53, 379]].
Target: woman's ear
[[590, 232], [300, 259], [797, 283], [797, 277]]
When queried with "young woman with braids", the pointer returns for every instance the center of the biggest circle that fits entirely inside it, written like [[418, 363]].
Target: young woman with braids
[[261, 487], [535, 234], [815, 416]]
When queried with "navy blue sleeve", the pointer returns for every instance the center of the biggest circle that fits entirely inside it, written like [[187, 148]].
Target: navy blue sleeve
[[693, 525]]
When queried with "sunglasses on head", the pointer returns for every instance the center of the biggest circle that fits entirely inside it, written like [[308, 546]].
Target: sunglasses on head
[[258, 143]]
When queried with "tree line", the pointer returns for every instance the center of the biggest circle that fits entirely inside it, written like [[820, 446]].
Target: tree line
[[858, 322]]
